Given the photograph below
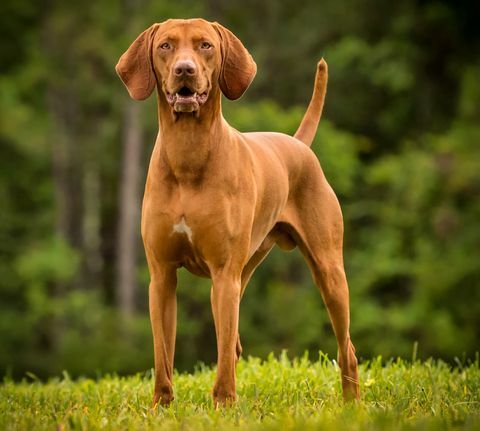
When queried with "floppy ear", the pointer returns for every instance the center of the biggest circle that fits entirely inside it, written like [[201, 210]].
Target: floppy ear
[[135, 67], [238, 68]]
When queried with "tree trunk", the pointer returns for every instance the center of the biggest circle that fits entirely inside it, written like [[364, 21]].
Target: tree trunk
[[93, 259], [67, 162], [129, 210]]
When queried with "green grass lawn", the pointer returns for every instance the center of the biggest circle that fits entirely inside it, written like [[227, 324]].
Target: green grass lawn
[[276, 394]]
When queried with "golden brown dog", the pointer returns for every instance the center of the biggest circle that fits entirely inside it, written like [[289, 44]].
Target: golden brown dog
[[217, 200]]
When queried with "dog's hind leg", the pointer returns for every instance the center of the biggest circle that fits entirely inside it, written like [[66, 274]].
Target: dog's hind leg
[[248, 271], [317, 228]]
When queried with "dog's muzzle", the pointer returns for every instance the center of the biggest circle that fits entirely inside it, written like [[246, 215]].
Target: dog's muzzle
[[186, 100]]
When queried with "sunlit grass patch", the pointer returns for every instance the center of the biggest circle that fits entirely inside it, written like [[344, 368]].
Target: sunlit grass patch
[[275, 394]]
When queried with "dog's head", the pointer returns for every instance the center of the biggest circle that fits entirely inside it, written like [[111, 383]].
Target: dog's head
[[187, 60]]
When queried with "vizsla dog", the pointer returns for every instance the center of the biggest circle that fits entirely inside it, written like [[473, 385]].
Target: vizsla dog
[[217, 200]]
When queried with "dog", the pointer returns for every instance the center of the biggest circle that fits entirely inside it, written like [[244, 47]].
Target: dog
[[217, 201]]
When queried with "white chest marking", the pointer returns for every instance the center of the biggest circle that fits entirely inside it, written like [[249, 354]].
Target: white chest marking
[[183, 227]]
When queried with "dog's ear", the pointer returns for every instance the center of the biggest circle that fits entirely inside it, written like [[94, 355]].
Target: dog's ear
[[135, 66], [238, 68]]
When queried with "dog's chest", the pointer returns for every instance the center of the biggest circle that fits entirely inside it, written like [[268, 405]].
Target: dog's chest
[[188, 226], [183, 228]]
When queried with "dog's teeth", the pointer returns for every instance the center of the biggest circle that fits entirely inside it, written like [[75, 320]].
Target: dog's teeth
[[195, 94]]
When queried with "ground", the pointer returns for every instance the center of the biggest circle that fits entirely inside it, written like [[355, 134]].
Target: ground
[[276, 394]]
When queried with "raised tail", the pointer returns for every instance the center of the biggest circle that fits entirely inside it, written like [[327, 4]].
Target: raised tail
[[308, 127]]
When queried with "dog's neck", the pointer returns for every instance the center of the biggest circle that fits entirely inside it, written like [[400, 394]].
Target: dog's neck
[[189, 139]]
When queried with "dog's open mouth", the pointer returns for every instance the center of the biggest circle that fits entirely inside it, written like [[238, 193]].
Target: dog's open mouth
[[186, 100]]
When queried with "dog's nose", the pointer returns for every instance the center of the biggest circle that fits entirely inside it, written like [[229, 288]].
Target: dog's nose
[[185, 67]]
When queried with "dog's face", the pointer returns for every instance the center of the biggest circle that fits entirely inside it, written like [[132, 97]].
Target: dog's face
[[186, 59]]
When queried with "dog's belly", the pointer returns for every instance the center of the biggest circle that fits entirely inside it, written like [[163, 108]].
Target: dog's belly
[[196, 267]]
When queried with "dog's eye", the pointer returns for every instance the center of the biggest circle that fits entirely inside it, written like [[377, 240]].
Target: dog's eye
[[165, 45], [205, 45]]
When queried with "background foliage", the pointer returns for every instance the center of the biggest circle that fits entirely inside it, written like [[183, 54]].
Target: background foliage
[[398, 142]]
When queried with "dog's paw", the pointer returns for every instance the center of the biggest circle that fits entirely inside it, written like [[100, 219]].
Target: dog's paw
[[223, 398], [162, 398]]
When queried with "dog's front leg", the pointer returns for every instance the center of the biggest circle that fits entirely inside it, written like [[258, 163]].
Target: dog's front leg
[[163, 316], [225, 305]]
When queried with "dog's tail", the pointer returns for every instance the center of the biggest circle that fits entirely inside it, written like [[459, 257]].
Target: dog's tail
[[308, 127]]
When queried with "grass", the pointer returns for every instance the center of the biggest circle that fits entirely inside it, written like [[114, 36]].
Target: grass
[[276, 394]]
